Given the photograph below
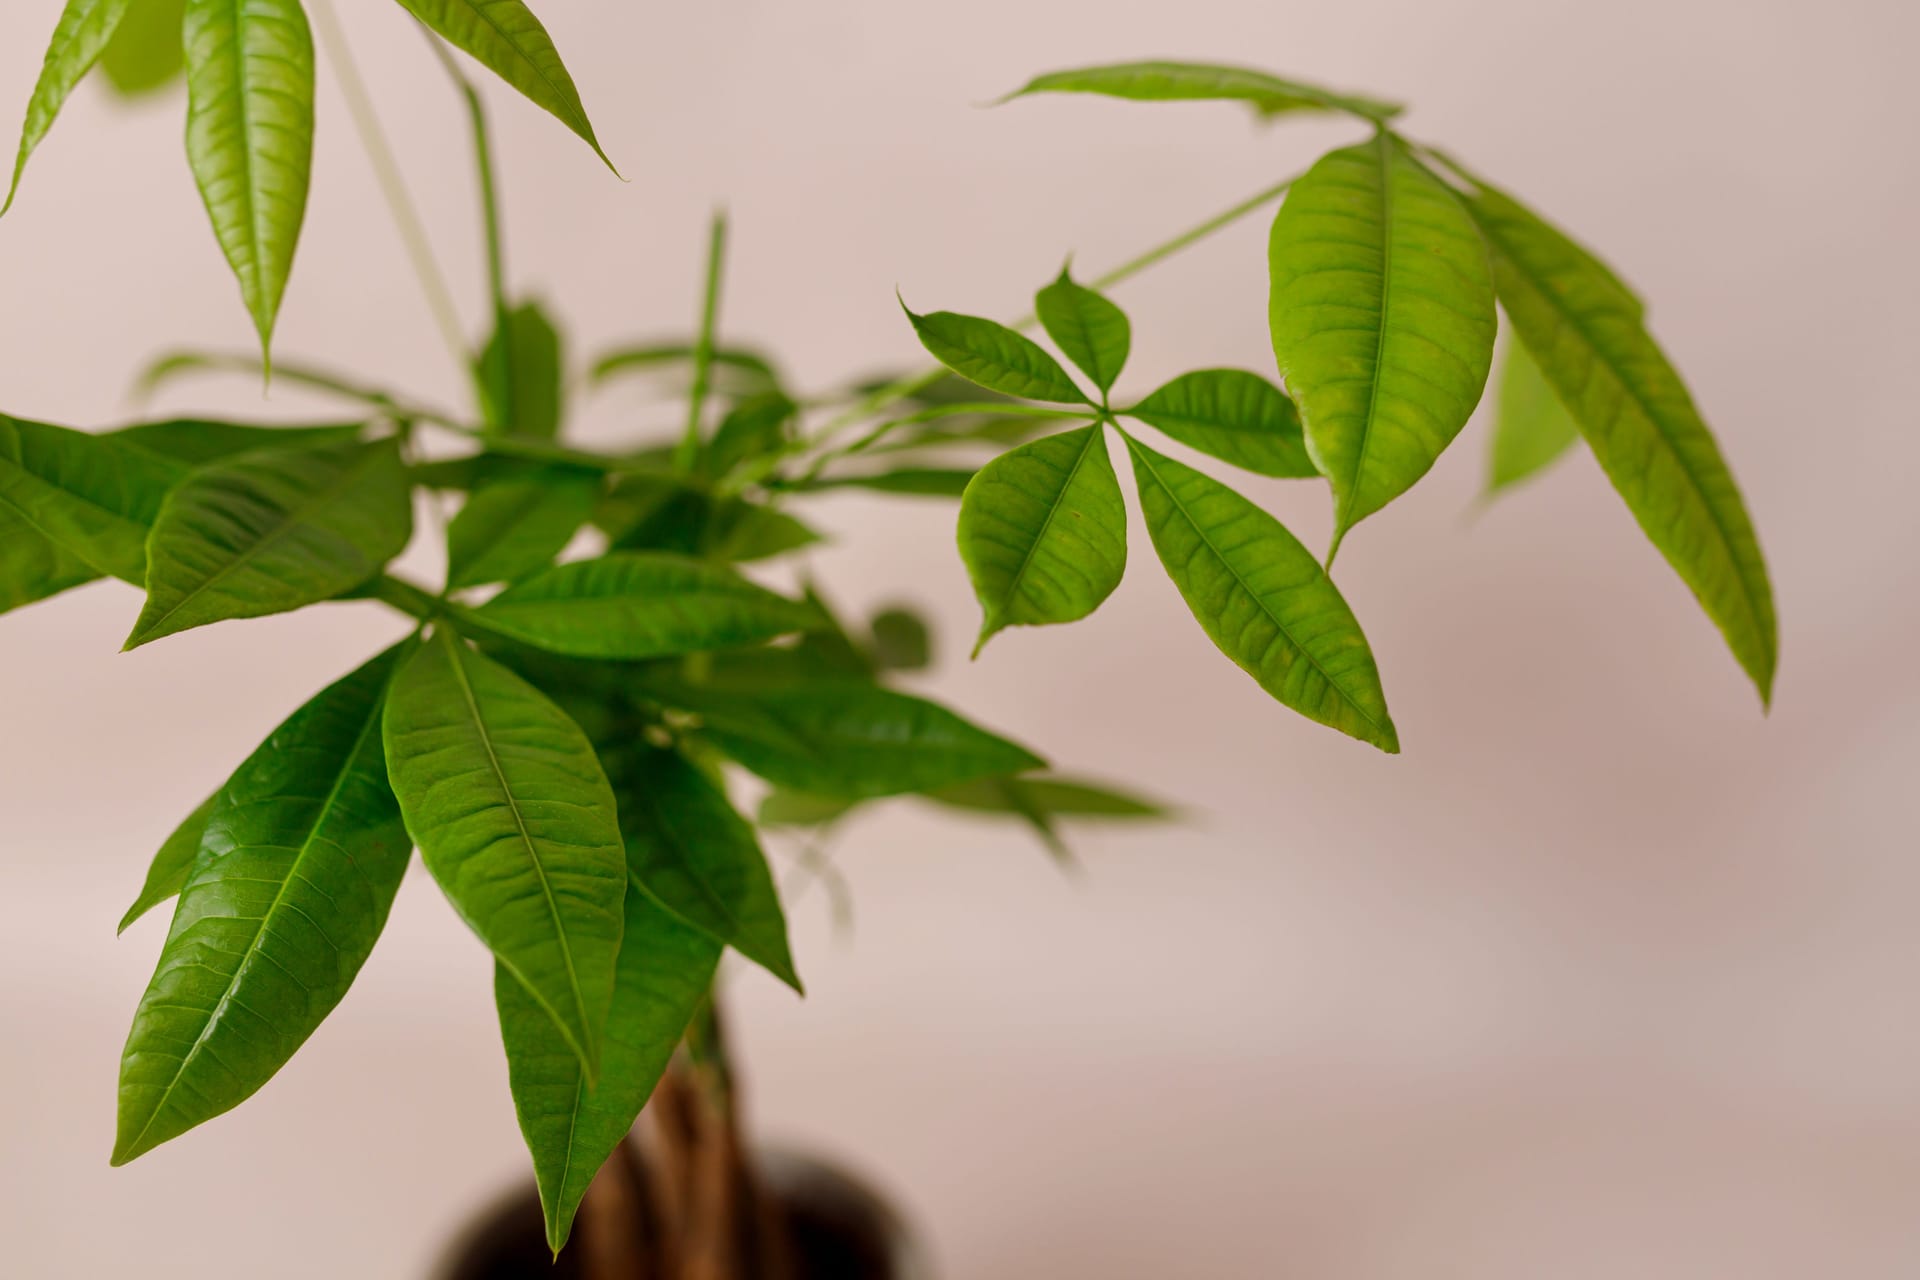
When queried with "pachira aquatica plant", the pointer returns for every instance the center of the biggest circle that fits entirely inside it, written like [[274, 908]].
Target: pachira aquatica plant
[[558, 734]]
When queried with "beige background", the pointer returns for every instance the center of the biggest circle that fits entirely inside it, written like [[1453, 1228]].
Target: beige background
[[1606, 976]]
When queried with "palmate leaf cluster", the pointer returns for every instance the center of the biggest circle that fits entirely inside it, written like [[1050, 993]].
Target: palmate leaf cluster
[[561, 733]]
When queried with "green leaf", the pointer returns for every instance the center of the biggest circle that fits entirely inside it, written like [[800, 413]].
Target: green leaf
[[515, 818], [144, 55], [689, 850], [296, 870], [196, 441], [753, 429], [737, 371], [902, 641], [1382, 318], [92, 497], [32, 566], [167, 874], [1198, 82], [1531, 428], [82, 33], [1635, 412], [847, 739], [1092, 331], [1262, 598], [902, 482], [250, 137], [514, 527], [1233, 415], [271, 532], [505, 37], [1055, 796], [521, 375], [666, 968], [661, 513], [784, 808], [1043, 531], [994, 356], [632, 605]]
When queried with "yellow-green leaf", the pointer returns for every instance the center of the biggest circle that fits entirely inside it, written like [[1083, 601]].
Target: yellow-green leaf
[[79, 37]]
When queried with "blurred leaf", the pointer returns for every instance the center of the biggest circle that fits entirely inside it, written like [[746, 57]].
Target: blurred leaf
[[737, 371], [660, 513], [902, 641], [522, 375], [167, 874], [1092, 331], [294, 875], [79, 37], [196, 441], [92, 497], [1382, 318], [250, 137], [753, 429], [906, 482], [1043, 531], [32, 566], [272, 532], [144, 54], [1193, 82], [634, 605], [514, 527], [994, 356], [1055, 796], [1235, 416], [783, 808], [515, 818], [1531, 428], [1262, 598]]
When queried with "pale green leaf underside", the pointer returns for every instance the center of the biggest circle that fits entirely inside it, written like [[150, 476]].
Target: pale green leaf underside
[[271, 532], [91, 497], [167, 874], [1160, 81], [79, 38], [250, 137], [516, 526], [1262, 598], [993, 356], [296, 870], [1094, 333], [1640, 421], [515, 819], [1531, 428], [1043, 532], [1233, 415], [1382, 318]]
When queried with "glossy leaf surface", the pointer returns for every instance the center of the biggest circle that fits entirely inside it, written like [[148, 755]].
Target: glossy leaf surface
[[1233, 415], [250, 137], [1043, 532], [514, 527], [994, 356], [1531, 428], [167, 873], [1382, 319], [1094, 333], [514, 817], [1262, 598], [297, 868], [1160, 81], [270, 532], [91, 496], [631, 605]]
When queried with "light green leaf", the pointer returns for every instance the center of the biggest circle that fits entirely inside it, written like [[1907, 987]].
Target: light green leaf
[[784, 808], [1382, 318], [1635, 412], [522, 375], [689, 850], [196, 441], [296, 871], [1531, 428], [167, 874], [33, 567], [90, 496], [505, 37], [847, 739], [1233, 415], [250, 137], [515, 818], [666, 969], [1093, 332], [513, 527], [994, 356], [1262, 598], [144, 55], [1197, 82], [79, 37], [1043, 532], [271, 532], [630, 605]]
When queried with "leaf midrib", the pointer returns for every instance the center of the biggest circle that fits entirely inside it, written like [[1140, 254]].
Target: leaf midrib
[[1384, 143], [576, 118], [1094, 437]]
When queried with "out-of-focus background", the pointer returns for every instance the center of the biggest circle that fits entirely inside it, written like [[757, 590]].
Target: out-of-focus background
[[1607, 975]]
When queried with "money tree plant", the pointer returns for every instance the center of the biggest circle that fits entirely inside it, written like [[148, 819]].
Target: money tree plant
[[604, 668]]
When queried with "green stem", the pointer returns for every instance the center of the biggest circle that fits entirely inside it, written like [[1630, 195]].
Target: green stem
[[689, 451], [415, 602]]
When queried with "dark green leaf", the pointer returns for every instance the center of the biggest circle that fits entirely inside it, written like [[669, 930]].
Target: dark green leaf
[[1235, 416], [516, 526], [295, 873], [1382, 318], [515, 818], [33, 567], [79, 37], [1635, 412], [660, 513], [1197, 82], [505, 37], [250, 137], [908, 482], [167, 874], [522, 375], [752, 429], [633, 605], [197, 442], [994, 356], [1263, 598], [145, 55], [1092, 331], [90, 496], [902, 641], [1531, 428], [1043, 531], [270, 532]]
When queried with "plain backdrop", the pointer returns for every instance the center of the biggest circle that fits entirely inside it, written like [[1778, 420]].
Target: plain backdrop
[[1607, 975]]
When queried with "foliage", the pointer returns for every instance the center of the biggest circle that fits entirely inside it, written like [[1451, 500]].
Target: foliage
[[561, 734]]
